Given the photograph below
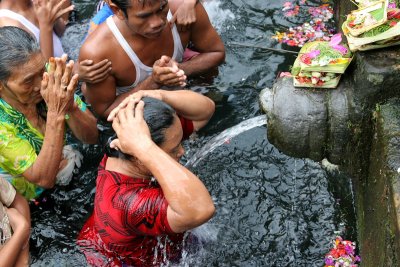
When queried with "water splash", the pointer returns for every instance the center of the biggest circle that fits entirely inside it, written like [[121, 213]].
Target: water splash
[[217, 15], [224, 137]]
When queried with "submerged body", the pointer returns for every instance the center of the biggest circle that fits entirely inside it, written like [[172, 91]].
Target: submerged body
[[139, 220]]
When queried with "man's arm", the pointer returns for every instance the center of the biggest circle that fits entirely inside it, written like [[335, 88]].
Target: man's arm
[[102, 96], [188, 104], [83, 125], [206, 41]]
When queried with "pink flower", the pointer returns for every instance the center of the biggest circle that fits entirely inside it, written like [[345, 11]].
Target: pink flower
[[335, 43]]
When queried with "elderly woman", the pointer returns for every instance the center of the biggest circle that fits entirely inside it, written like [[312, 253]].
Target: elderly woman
[[138, 221], [35, 109]]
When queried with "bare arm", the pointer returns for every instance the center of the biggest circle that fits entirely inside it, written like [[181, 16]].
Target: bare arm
[[47, 13], [10, 253], [206, 41], [83, 125], [44, 170], [188, 104], [102, 96], [21, 205], [180, 186], [102, 93]]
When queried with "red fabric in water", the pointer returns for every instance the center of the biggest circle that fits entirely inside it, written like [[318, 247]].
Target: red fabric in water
[[129, 221]]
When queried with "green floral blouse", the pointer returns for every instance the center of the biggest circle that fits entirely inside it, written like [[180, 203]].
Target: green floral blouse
[[20, 143]]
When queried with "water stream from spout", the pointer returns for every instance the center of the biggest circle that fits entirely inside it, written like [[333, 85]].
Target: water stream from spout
[[225, 136]]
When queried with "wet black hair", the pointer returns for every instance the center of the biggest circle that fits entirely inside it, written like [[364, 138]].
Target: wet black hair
[[158, 115], [124, 4]]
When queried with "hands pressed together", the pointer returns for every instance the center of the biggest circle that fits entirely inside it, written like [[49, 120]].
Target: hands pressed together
[[58, 85], [167, 73]]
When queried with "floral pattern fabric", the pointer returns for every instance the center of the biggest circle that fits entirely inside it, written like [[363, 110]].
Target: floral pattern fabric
[[20, 143]]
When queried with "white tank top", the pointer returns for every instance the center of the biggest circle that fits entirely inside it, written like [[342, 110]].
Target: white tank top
[[142, 71], [57, 46]]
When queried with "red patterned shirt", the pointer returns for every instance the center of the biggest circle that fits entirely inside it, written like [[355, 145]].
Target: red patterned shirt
[[129, 224]]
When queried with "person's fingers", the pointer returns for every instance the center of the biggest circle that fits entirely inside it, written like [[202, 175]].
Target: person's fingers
[[64, 59], [44, 83], [165, 71], [100, 77], [98, 70], [72, 84], [58, 5], [64, 11], [35, 4], [52, 65], [67, 74], [86, 62], [180, 73], [129, 108], [100, 64], [115, 144], [51, 80], [116, 125], [58, 72], [121, 115], [170, 79], [139, 108], [121, 105], [174, 82], [164, 60]]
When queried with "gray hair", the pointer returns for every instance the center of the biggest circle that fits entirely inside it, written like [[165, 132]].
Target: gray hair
[[16, 48]]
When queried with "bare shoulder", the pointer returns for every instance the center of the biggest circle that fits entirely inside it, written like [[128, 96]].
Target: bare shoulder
[[97, 44], [4, 21]]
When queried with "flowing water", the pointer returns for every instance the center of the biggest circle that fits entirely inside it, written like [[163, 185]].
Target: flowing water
[[272, 210]]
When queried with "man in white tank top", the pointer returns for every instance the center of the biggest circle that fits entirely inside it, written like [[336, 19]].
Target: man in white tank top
[[146, 51]]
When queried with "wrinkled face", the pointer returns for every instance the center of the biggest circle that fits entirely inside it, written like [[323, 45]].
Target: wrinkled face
[[23, 85], [173, 138], [149, 19]]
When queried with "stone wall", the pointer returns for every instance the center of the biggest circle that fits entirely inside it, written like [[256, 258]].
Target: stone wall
[[356, 126]]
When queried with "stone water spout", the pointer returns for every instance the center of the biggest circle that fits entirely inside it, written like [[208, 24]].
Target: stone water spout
[[356, 126], [323, 123]]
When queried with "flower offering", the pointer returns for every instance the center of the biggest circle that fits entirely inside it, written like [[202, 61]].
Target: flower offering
[[320, 64], [318, 28], [370, 15], [384, 35], [342, 254], [368, 28]]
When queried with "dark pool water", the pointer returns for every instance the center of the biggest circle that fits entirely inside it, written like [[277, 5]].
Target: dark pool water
[[272, 210]]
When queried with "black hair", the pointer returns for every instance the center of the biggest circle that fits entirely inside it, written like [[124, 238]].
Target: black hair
[[158, 115], [16, 48], [124, 4]]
